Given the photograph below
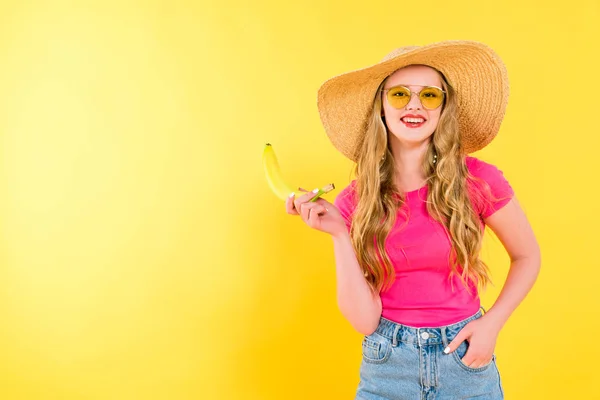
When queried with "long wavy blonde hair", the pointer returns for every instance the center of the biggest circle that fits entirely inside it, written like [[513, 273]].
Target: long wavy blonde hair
[[448, 201]]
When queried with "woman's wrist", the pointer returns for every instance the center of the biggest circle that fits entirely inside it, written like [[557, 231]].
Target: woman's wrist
[[495, 319], [341, 235]]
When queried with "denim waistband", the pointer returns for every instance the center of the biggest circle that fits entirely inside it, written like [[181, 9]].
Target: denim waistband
[[421, 336]]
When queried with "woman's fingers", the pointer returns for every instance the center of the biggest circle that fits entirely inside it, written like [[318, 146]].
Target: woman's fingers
[[311, 212], [305, 211], [293, 204], [289, 204], [304, 198], [315, 213]]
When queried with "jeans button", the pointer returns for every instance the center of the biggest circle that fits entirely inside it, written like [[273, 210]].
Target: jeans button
[[425, 335]]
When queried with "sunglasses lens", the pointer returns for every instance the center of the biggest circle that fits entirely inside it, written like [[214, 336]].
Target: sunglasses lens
[[398, 97], [431, 98]]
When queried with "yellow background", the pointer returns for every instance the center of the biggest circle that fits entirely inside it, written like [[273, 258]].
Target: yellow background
[[142, 253]]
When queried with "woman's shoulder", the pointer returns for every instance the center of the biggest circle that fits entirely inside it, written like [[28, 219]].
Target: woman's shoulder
[[485, 171], [346, 196], [345, 202], [490, 187], [479, 168]]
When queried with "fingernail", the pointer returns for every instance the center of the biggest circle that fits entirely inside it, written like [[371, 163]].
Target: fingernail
[[316, 190], [447, 350], [292, 194]]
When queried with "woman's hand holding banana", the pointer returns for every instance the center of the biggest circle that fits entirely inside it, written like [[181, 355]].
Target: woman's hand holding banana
[[320, 214]]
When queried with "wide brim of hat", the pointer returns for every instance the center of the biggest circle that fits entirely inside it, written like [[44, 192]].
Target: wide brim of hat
[[473, 69]]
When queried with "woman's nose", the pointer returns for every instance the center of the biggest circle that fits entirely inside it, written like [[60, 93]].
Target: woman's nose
[[414, 103]]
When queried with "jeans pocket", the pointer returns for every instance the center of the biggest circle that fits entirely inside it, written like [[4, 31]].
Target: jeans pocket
[[460, 352], [376, 349]]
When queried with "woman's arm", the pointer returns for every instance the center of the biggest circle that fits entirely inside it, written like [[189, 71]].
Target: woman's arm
[[357, 302], [514, 231]]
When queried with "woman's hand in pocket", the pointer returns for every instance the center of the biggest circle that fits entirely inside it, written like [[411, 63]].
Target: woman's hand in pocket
[[481, 335]]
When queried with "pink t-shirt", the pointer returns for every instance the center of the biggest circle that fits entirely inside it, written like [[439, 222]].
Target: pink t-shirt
[[419, 249]]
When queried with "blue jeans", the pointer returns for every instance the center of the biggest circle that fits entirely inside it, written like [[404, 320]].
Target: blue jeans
[[406, 363]]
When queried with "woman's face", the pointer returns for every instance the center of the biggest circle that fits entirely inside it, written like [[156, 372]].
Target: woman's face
[[411, 134]]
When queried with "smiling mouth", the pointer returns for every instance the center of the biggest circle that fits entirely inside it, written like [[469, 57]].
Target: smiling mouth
[[413, 122]]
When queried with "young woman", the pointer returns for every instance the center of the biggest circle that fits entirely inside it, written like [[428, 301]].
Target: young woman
[[407, 231]]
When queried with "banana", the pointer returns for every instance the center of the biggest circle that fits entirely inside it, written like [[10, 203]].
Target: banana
[[273, 173], [275, 179]]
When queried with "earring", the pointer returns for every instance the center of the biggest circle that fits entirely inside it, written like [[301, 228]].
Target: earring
[[434, 159]]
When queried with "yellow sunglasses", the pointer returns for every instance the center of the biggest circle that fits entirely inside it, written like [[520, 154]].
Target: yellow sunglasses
[[431, 97]]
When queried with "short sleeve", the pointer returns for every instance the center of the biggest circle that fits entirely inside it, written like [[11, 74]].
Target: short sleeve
[[490, 190], [345, 202]]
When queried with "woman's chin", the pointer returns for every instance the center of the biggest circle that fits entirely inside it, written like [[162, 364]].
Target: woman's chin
[[412, 138]]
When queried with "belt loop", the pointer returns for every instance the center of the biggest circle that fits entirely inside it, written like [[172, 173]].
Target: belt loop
[[395, 335], [444, 337]]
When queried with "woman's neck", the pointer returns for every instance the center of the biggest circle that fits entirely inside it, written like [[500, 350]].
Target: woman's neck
[[408, 169]]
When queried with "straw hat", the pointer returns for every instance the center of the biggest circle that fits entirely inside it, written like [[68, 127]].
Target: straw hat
[[474, 70]]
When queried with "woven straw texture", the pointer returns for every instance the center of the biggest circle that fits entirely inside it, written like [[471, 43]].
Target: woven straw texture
[[476, 72]]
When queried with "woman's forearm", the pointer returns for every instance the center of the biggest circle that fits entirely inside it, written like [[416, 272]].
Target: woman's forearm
[[357, 302], [519, 281]]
